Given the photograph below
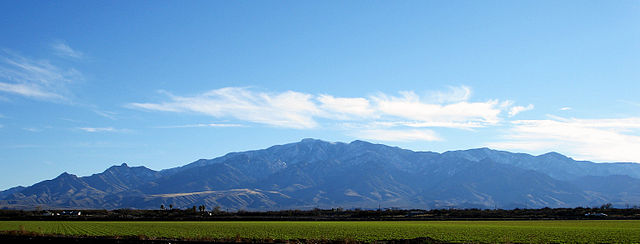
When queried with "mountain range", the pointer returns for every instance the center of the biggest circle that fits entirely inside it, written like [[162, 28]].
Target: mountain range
[[314, 173]]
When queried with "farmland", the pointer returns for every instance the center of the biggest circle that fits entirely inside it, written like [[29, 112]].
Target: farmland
[[599, 231]]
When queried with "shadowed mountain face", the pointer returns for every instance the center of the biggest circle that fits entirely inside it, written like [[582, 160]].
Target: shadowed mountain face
[[313, 173]]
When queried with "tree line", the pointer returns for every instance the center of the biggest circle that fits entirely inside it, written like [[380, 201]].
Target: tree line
[[202, 212]]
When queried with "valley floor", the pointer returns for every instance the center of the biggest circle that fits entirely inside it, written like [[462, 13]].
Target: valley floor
[[553, 231]]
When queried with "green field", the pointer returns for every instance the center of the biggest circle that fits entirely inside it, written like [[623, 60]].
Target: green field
[[595, 231]]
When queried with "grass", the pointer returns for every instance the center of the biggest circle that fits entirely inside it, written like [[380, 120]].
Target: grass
[[555, 231]]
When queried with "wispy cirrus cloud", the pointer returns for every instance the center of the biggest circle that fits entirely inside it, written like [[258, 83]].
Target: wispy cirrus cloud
[[61, 48], [594, 139], [287, 109], [515, 110], [452, 95], [406, 114], [33, 129], [35, 78], [107, 114], [29, 90], [215, 125], [101, 129]]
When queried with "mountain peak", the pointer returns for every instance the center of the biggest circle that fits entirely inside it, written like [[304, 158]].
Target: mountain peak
[[361, 142], [118, 167], [480, 149], [554, 155], [65, 175], [312, 140]]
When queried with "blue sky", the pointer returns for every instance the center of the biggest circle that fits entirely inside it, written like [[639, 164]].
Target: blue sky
[[86, 85]]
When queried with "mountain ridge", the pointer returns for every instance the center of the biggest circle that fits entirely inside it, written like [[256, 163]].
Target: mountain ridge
[[315, 173]]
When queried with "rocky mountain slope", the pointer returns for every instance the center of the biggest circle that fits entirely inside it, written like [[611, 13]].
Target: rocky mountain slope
[[314, 173]]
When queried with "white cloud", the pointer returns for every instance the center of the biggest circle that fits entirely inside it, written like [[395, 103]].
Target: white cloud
[[62, 49], [101, 129], [107, 114], [31, 78], [445, 124], [453, 95], [592, 139], [565, 108], [28, 90], [380, 112], [164, 107], [346, 107], [519, 109], [287, 109], [409, 107], [397, 135]]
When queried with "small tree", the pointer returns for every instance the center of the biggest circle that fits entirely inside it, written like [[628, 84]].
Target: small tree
[[216, 209], [162, 206]]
